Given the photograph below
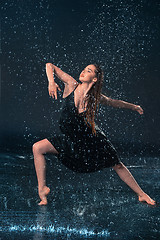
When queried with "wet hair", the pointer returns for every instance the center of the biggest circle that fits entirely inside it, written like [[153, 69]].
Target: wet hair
[[93, 99]]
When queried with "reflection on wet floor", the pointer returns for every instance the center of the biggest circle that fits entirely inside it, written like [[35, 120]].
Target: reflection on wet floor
[[81, 206]]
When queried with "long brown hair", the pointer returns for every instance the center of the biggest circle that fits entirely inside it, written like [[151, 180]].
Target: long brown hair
[[93, 99]]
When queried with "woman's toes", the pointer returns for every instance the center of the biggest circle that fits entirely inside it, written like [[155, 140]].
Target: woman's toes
[[152, 202], [146, 198]]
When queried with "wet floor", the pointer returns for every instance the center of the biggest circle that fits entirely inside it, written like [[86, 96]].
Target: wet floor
[[81, 206]]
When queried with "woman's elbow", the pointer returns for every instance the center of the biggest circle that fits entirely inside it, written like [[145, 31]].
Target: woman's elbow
[[49, 64]]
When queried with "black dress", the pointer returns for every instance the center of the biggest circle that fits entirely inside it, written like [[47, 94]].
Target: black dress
[[78, 148]]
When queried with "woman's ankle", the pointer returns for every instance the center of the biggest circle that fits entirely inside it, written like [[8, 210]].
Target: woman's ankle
[[41, 188], [141, 194]]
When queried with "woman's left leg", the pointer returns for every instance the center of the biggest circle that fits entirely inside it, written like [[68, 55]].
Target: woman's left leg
[[127, 177], [39, 149]]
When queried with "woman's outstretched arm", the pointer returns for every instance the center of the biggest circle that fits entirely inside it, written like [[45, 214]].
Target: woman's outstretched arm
[[64, 77], [120, 104]]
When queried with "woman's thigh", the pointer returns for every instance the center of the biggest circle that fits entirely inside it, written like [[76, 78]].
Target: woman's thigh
[[44, 146]]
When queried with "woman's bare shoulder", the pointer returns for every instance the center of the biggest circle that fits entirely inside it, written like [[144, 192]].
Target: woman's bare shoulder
[[104, 99]]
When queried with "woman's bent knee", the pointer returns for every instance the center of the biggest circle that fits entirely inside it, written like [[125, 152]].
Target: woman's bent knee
[[43, 147], [36, 148]]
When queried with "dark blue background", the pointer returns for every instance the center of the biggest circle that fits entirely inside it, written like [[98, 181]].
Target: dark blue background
[[122, 36]]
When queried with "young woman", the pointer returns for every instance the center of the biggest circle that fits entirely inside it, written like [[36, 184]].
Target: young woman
[[82, 146]]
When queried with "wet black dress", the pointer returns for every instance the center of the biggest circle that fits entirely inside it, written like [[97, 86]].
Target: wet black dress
[[78, 148]]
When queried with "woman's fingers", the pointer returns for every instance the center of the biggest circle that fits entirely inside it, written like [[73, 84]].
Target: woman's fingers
[[139, 109], [55, 94], [52, 94], [53, 90], [59, 88]]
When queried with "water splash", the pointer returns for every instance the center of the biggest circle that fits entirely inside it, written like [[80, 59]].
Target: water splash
[[82, 232]]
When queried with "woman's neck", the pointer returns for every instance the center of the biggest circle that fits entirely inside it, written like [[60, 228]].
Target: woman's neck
[[83, 88]]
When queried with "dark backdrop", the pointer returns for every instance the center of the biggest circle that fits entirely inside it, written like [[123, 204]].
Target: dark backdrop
[[122, 36]]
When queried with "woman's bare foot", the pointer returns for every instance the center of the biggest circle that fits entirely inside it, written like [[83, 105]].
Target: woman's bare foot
[[43, 195], [146, 198]]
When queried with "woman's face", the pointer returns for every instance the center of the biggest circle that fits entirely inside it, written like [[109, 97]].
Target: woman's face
[[88, 74]]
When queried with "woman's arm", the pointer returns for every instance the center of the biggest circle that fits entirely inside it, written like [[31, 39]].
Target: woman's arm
[[66, 78], [120, 104], [52, 69]]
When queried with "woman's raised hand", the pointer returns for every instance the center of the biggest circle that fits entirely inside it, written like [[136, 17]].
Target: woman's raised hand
[[138, 109], [52, 89]]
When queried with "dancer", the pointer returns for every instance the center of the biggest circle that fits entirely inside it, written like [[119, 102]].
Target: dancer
[[82, 146]]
